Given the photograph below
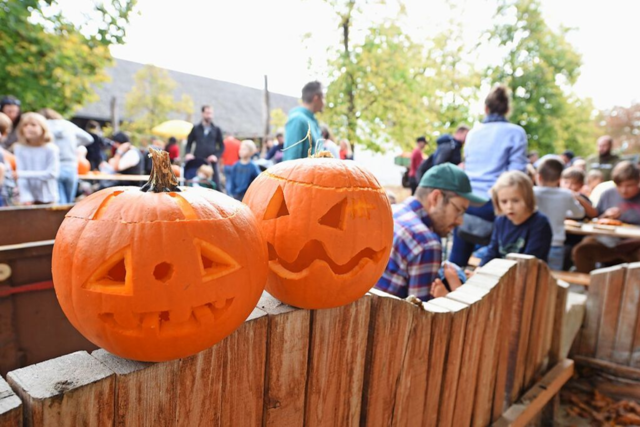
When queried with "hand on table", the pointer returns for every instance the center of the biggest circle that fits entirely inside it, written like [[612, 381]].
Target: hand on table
[[613, 213]]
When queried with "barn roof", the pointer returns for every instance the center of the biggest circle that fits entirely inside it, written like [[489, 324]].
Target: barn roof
[[238, 109]]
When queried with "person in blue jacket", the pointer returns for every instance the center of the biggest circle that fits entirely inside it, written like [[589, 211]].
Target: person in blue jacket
[[301, 120]]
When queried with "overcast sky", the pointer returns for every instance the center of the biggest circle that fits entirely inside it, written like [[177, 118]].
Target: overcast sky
[[242, 40]]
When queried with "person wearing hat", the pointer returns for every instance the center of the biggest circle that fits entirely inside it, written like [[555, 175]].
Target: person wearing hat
[[441, 199]]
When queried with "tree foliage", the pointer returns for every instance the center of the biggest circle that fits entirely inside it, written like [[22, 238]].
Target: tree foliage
[[540, 67], [48, 61], [151, 101]]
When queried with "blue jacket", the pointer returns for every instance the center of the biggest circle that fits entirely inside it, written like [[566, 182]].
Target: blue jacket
[[493, 148], [300, 119], [239, 178]]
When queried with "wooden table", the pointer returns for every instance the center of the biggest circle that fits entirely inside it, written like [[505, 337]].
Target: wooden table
[[592, 229]]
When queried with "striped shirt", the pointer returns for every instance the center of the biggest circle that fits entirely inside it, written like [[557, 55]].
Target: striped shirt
[[416, 254]]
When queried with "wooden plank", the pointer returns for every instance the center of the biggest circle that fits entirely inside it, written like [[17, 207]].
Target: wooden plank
[[10, 406], [287, 360], [389, 330], [65, 391], [474, 336], [31, 223], [550, 312], [620, 371], [521, 413], [501, 398], [454, 358], [557, 334], [9, 348], [441, 328], [523, 300], [572, 277], [244, 370], [199, 388], [610, 312], [146, 393], [626, 348], [595, 300], [336, 364], [411, 392], [536, 335]]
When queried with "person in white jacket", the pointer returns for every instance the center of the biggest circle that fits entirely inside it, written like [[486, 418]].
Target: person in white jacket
[[67, 136]]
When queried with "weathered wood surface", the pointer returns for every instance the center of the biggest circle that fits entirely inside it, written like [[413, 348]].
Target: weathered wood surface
[[10, 406], [61, 392], [31, 223]]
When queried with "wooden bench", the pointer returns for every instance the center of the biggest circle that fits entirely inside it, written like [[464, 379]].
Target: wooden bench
[[486, 353]]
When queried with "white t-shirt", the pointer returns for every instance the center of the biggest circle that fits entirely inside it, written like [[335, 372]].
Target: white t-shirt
[[557, 203], [129, 159]]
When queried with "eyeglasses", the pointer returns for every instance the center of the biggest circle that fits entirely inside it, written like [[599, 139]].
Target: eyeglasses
[[460, 210]]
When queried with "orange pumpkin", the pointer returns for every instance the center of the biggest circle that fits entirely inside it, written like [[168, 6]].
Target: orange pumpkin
[[328, 227], [84, 166], [158, 274], [9, 157]]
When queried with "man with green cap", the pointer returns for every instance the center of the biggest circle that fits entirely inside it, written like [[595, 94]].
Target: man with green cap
[[442, 197]]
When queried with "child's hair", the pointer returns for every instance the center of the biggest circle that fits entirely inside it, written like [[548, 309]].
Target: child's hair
[[594, 175], [625, 171], [250, 144], [550, 169], [206, 170], [40, 121], [574, 174], [5, 124], [523, 184]]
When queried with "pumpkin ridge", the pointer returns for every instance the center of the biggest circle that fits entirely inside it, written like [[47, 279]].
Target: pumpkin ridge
[[156, 221], [307, 184]]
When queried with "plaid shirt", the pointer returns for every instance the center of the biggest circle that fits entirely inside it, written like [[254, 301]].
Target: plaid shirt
[[416, 254]]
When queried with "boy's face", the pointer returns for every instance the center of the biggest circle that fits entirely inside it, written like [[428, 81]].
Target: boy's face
[[628, 189], [570, 184], [244, 152], [513, 205]]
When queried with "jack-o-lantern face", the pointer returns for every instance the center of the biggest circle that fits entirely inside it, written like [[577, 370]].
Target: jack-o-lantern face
[[158, 276], [328, 227]]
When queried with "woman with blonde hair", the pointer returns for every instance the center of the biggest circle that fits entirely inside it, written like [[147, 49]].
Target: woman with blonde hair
[[37, 161]]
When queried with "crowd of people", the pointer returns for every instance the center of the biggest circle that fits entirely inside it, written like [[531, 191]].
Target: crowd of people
[[481, 186], [498, 199]]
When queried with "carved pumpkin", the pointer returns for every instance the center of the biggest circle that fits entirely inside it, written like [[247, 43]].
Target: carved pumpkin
[[155, 276], [328, 227]]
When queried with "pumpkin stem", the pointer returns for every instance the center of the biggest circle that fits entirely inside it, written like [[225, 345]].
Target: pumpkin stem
[[162, 178]]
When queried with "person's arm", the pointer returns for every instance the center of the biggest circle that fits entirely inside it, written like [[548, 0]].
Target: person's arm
[[493, 250], [83, 137], [589, 210], [219, 146], [575, 207], [442, 154], [231, 182], [518, 153], [295, 130], [539, 240], [423, 270], [126, 160], [190, 139]]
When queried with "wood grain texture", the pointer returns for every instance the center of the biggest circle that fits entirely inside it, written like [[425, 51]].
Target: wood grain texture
[[626, 349], [10, 406], [336, 364], [411, 392], [557, 333], [536, 335], [453, 362], [550, 314], [595, 300], [146, 393], [58, 392], [441, 322], [287, 361], [610, 312]]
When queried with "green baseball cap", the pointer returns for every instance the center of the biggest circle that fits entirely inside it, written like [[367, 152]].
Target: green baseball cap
[[450, 177]]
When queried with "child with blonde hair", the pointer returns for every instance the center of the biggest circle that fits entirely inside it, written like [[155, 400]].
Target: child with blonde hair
[[37, 161], [519, 227], [204, 178], [243, 172]]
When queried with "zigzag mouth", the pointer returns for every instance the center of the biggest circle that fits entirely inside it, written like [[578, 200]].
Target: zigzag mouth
[[315, 250], [160, 322]]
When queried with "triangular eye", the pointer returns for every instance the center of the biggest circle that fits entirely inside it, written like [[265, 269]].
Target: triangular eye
[[214, 262], [277, 206], [335, 216], [113, 276]]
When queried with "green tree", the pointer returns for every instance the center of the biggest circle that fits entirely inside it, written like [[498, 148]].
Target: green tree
[[47, 61], [151, 101], [278, 119], [540, 67]]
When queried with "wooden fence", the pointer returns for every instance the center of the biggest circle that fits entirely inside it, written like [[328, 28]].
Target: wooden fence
[[610, 336], [462, 360]]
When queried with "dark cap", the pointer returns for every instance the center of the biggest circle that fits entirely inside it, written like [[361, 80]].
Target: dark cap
[[451, 178], [120, 137]]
